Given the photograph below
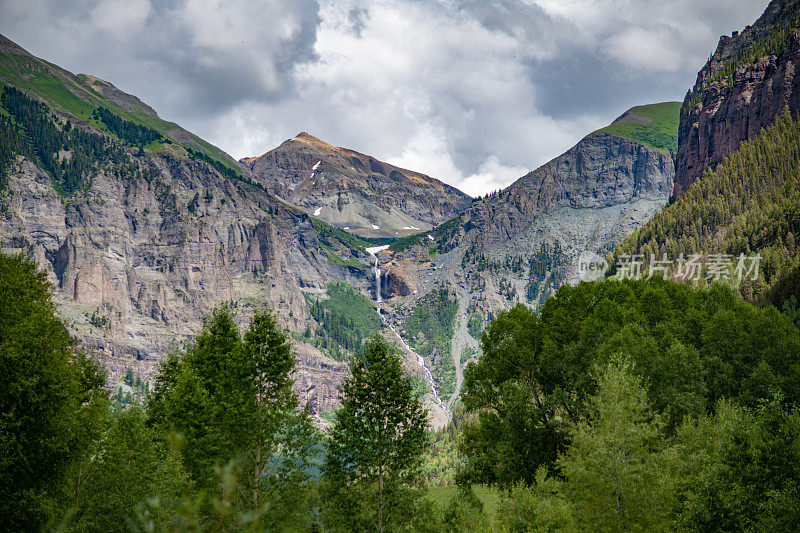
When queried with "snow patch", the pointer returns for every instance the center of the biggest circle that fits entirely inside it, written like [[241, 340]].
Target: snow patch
[[375, 249], [430, 237], [315, 166], [346, 227], [317, 211], [375, 227], [410, 227]]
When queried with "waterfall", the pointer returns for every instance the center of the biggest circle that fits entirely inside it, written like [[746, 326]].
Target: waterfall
[[420, 361], [378, 285]]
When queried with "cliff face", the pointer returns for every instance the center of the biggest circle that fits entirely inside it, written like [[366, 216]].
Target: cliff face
[[748, 81], [599, 172], [137, 264], [520, 245], [354, 191]]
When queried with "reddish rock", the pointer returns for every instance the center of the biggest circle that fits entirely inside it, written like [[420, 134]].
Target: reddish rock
[[718, 116]]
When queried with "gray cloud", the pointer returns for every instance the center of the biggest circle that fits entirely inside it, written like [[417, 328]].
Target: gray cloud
[[474, 92]]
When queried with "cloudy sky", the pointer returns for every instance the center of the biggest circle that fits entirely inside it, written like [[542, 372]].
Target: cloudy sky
[[473, 92]]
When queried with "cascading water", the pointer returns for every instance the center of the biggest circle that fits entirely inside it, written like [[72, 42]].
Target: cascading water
[[420, 361]]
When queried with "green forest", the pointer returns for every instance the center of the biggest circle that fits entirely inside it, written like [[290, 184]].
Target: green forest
[[749, 203], [619, 405]]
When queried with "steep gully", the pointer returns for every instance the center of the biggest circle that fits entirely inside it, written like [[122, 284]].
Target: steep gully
[[420, 361]]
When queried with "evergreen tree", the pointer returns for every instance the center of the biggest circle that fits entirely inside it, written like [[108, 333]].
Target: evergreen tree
[[617, 465], [230, 400], [374, 453], [52, 400]]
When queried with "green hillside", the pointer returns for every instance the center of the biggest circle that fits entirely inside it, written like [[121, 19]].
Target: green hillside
[[73, 96], [655, 125], [749, 203]]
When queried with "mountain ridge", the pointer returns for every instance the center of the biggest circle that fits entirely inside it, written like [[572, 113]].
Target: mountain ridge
[[355, 191]]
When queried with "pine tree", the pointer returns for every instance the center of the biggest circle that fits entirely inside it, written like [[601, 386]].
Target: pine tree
[[616, 465], [376, 444]]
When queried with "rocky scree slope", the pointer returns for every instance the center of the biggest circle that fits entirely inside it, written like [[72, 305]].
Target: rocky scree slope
[[354, 191], [521, 244]]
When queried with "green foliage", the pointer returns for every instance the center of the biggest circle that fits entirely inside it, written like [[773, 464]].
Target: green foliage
[[346, 318], [792, 309], [128, 131], [655, 125], [465, 512], [229, 398], [617, 466], [538, 507], [52, 400], [547, 271], [475, 325], [329, 235], [12, 142], [443, 459], [691, 346], [129, 467], [441, 235], [749, 203], [48, 142], [430, 327], [351, 262], [373, 462], [224, 170], [741, 469]]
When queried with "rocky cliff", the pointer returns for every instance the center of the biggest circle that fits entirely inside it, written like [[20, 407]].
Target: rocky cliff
[[143, 229], [747, 82], [353, 191], [602, 171], [521, 244]]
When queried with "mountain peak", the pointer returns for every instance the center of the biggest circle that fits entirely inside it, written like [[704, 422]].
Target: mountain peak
[[307, 138], [7, 46]]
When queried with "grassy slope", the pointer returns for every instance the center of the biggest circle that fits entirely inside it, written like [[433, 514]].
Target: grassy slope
[[345, 300], [64, 91], [749, 203], [489, 496], [660, 131]]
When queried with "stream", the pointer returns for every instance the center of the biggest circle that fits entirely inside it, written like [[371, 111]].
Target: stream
[[420, 361]]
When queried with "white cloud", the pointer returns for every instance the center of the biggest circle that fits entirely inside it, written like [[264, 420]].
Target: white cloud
[[646, 50], [121, 17], [491, 176], [471, 92]]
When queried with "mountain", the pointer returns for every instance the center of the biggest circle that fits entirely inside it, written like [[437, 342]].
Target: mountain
[[522, 243], [738, 166], [143, 228], [353, 191], [748, 81]]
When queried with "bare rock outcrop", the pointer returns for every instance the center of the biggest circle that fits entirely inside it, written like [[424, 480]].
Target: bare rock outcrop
[[735, 95]]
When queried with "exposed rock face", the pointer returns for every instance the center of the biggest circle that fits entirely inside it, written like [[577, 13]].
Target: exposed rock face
[[720, 112], [155, 237], [136, 270], [355, 191], [600, 171], [521, 244]]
